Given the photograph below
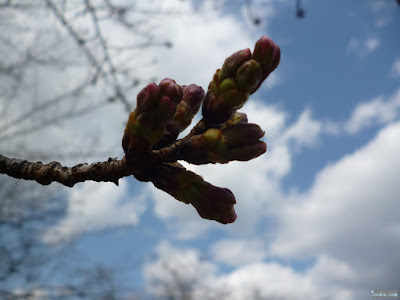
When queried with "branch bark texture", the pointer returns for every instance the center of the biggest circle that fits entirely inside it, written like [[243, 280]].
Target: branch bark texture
[[110, 171]]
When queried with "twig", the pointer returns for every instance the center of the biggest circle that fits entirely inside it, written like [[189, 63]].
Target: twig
[[107, 171], [110, 171]]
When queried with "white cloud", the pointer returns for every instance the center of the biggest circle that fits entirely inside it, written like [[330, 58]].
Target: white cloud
[[265, 281], [395, 71], [375, 112], [352, 45], [362, 48], [350, 213], [94, 206], [305, 131], [384, 11], [237, 252], [372, 44], [178, 271]]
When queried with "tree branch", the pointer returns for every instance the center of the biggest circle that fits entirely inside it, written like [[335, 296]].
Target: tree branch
[[110, 171], [107, 171]]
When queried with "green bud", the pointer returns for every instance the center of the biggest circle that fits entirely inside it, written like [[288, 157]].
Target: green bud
[[227, 85], [232, 63], [240, 76], [235, 99], [249, 75], [237, 142]]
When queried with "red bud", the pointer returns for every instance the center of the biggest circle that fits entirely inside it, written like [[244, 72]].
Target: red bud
[[168, 87], [148, 98], [211, 202]]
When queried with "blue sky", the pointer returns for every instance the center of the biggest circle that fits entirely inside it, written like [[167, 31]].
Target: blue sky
[[318, 213]]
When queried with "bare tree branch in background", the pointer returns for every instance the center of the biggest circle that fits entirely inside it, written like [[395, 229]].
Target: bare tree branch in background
[[76, 42], [69, 42]]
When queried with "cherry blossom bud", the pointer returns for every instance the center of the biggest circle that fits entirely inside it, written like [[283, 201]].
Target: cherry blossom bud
[[185, 111], [268, 54], [249, 75], [211, 202], [237, 142], [215, 110], [168, 87], [148, 98], [156, 105], [192, 96], [240, 76], [165, 110], [233, 62], [242, 133]]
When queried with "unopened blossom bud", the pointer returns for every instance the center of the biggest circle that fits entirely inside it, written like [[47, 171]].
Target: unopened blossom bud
[[245, 152], [244, 143], [211, 202], [237, 142], [168, 87], [185, 111], [156, 105], [233, 62], [215, 110], [192, 96], [243, 133], [249, 75], [232, 95], [147, 99], [240, 76], [268, 54], [165, 110]]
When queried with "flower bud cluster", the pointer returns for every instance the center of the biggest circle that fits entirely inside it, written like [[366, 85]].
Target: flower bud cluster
[[156, 105], [236, 140], [185, 111], [223, 135], [240, 76]]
